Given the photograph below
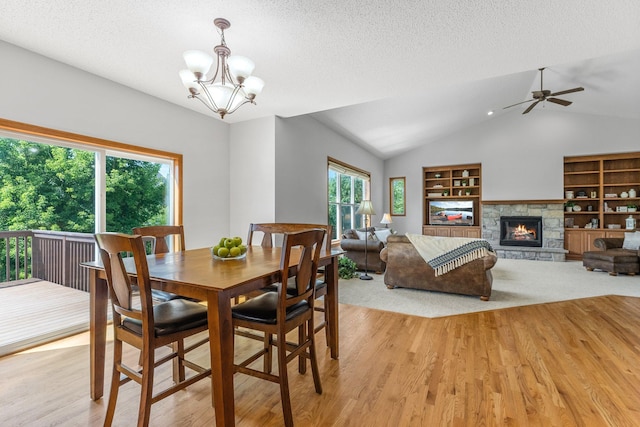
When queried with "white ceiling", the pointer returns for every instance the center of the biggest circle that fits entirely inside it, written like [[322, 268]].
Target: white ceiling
[[389, 74]]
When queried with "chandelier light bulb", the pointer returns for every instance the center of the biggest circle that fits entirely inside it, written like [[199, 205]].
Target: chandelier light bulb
[[189, 80], [199, 63], [253, 86], [240, 67]]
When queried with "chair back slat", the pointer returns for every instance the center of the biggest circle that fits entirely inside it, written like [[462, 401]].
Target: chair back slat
[[273, 229], [309, 243], [161, 232]]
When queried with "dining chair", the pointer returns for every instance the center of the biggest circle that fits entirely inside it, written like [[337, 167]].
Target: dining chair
[[270, 232], [277, 313], [147, 326]]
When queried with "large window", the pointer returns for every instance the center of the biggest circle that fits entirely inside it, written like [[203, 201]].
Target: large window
[[347, 186], [65, 182]]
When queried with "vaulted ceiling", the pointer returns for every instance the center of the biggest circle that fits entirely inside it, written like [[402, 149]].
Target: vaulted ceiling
[[389, 75]]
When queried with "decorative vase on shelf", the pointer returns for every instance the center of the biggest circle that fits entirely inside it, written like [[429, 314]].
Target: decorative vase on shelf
[[624, 195], [465, 173], [630, 223], [632, 193]]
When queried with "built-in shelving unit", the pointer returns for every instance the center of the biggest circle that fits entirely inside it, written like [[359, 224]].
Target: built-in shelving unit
[[602, 186], [458, 182]]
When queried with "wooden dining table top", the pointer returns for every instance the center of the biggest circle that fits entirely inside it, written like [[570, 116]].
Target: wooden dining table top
[[196, 268]]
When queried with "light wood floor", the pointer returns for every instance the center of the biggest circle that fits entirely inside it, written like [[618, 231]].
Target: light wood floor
[[558, 364]]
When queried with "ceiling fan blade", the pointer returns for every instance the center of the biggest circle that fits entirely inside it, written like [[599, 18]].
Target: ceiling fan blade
[[560, 101], [523, 102], [562, 92], [530, 107]]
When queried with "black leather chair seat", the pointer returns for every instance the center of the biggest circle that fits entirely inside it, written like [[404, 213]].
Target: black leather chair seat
[[172, 316], [263, 309]]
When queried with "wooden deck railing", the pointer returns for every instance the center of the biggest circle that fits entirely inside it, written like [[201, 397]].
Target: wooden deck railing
[[15, 254], [54, 256]]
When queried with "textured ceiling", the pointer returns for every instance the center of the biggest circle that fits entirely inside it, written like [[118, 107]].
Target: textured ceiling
[[403, 60]]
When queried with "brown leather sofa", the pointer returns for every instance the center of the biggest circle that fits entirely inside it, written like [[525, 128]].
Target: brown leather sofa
[[354, 250], [407, 269], [611, 257]]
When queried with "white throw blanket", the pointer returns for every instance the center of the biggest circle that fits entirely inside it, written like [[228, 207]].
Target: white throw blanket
[[444, 254]]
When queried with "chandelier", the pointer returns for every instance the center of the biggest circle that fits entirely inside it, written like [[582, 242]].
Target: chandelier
[[232, 84]]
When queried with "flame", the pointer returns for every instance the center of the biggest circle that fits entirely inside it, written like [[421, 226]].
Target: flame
[[521, 232]]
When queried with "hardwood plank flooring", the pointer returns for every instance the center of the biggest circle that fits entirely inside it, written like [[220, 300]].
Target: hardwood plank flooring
[[571, 363]]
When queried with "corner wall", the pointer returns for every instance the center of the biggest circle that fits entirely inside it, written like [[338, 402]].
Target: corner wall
[[302, 147]]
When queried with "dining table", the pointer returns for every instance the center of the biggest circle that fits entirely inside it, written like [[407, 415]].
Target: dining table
[[196, 274]]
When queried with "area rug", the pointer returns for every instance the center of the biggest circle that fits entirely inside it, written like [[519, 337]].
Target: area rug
[[515, 283]]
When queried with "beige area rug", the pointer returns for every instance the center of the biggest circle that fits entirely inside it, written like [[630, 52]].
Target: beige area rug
[[515, 283], [38, 312]]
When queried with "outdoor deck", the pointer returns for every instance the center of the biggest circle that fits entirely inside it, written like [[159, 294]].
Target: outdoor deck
[[35, 311]]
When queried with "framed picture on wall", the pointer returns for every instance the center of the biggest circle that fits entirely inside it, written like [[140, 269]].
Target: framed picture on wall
[[397, 192]]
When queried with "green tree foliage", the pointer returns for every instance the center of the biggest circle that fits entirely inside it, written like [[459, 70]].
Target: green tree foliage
[[398, 197], [45, 187], [346, 205], [135, 194], [52, 188]]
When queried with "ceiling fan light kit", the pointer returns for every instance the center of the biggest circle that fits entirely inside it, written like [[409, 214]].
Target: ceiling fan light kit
[[232, 84], [546, 95]]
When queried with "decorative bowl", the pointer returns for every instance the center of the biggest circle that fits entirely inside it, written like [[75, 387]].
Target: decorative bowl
[[229, 258]]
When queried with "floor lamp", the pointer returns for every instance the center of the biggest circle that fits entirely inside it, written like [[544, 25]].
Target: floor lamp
[[366, 209]]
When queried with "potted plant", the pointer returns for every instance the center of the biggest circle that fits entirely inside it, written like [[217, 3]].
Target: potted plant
[[464, 182], [445, 193], [632, 208], [568, 206], [346, 268]]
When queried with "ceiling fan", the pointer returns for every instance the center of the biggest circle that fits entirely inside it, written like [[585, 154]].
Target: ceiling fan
[[545, 95]]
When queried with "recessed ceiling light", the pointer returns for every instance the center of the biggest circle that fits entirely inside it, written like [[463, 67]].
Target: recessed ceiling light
[[490, 113]]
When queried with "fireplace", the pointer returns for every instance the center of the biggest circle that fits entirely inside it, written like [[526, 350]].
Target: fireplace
[[521, 231]]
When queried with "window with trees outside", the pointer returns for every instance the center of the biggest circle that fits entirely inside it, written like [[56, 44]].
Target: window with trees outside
[[51, 184], [347, 187]]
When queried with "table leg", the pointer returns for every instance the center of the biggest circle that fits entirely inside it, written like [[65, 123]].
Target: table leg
[[331, 276], [221, 350], [97, 332]]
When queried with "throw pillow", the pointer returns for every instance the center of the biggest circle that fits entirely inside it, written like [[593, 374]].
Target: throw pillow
[[362, 235], [383, 234], [631, 241]]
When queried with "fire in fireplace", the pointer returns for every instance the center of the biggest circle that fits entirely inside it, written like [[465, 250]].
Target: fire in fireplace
[[521, 231]]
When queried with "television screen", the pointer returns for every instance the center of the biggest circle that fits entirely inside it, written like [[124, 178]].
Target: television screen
[[451, 212]]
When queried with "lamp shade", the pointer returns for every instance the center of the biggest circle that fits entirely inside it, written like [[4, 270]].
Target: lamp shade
[[386, 219], [365, 208]]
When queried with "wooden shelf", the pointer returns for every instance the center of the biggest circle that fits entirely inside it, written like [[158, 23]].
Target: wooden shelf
[[602, 174], [451, 180]]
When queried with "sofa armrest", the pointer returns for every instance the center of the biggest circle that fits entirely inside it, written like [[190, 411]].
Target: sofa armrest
[[605, 243], [357, 245]]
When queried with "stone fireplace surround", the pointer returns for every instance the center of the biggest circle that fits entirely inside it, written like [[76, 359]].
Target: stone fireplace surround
[[552, 214]]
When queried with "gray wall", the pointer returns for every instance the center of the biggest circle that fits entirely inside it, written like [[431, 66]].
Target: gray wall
[[252, 174], [302, 147], [521, 156]]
